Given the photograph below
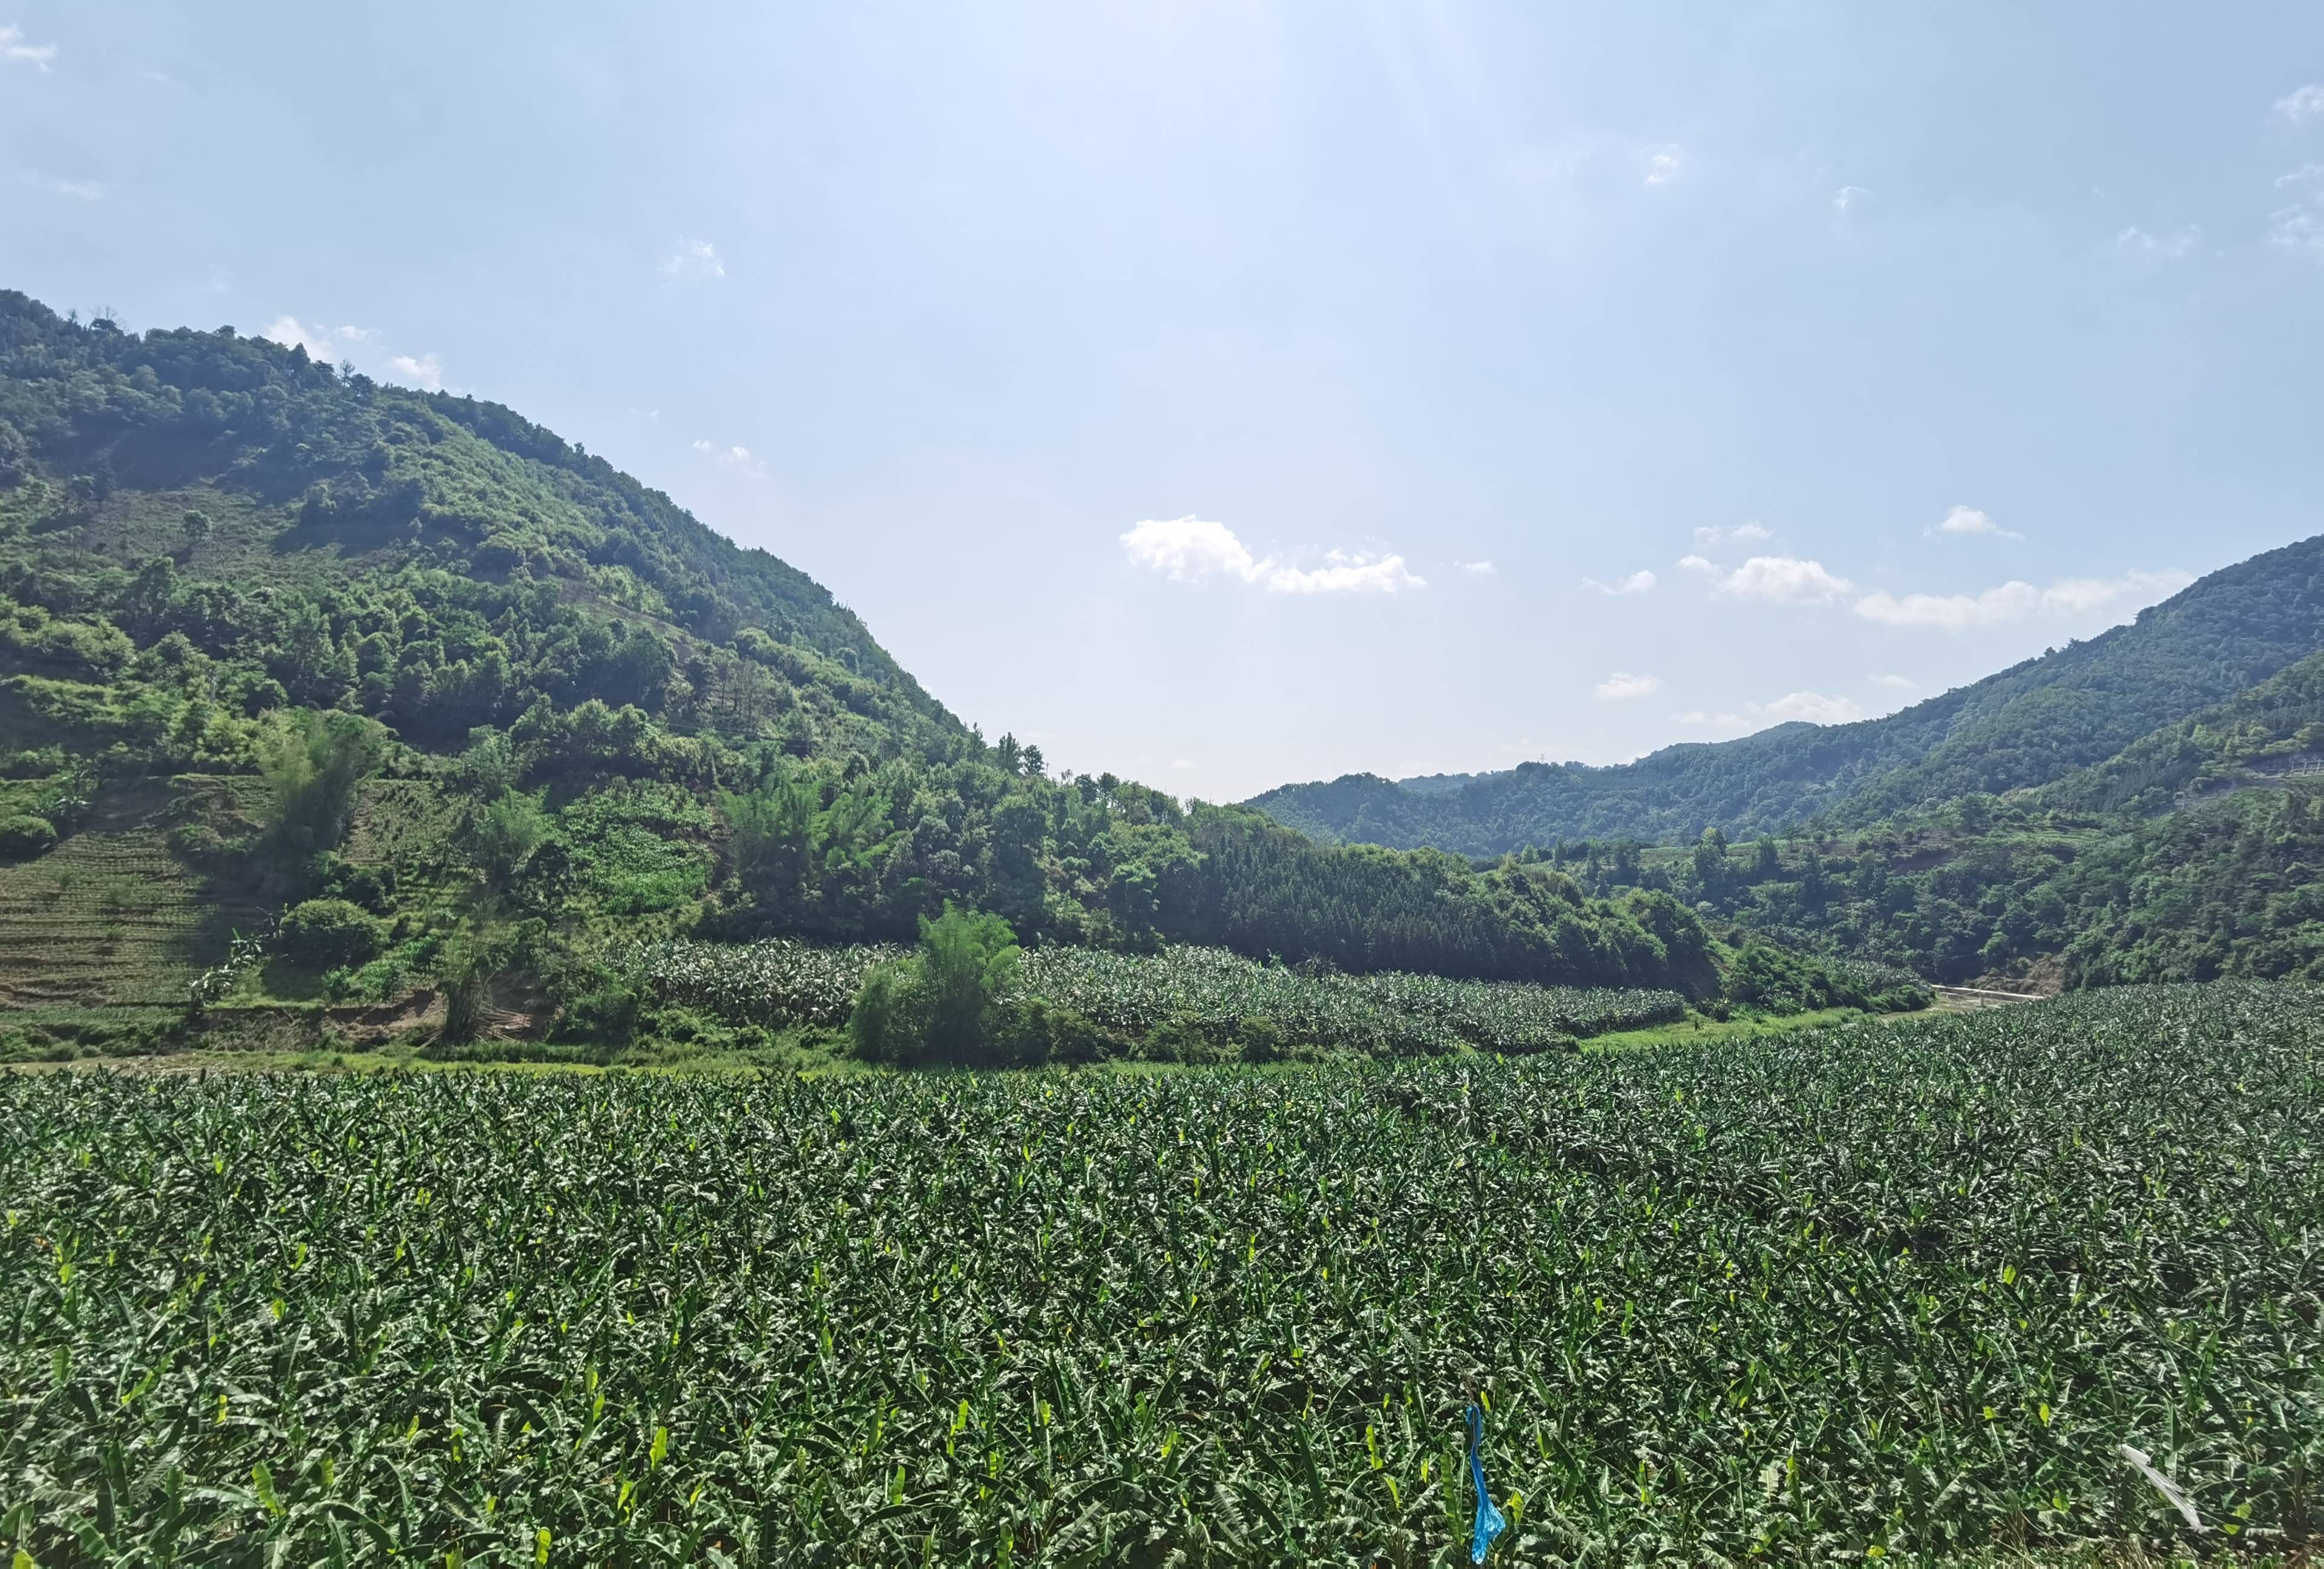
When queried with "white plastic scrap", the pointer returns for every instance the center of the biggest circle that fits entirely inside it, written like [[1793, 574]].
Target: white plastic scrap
[[2170, 1490]]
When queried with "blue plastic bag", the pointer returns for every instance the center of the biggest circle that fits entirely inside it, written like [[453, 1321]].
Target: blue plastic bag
[[1490, 1520]]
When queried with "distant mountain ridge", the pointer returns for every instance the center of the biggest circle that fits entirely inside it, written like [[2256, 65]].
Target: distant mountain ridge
[[2033, 723]]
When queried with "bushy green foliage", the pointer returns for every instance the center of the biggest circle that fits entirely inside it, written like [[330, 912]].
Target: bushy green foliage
[[312, 764], [1904, 1288], [951, 1000], [323, 934], [1774, 981], [25, 835]]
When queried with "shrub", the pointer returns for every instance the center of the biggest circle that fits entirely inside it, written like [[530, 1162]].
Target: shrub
[[608, 1016], [325, 933], [25, 837], [948, 1001], [313, 763]]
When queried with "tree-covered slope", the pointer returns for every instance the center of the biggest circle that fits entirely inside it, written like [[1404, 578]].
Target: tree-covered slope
[[2196, 852], [2024, 726], [478, 709]]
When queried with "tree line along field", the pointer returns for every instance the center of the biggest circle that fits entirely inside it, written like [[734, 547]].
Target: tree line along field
[[1884, 1289]]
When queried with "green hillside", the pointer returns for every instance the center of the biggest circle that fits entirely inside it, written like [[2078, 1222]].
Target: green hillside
[[2027, 726], [2194, 853], [482, 711]]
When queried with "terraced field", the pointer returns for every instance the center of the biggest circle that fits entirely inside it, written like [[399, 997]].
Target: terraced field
[[113, 918], [110, 918]]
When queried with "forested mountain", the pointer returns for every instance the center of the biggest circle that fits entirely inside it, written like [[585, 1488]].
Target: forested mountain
[[2029, 724], [2196, 852], [272, 634]]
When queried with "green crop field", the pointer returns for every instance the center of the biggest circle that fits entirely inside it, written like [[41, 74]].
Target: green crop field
[[1208, 991], [1885, 1290]]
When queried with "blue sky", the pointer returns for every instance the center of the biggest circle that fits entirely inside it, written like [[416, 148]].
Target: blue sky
[[1227, 394]]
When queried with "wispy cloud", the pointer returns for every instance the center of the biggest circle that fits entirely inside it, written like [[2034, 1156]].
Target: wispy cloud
[[694, 259], [2136, 243], [1753, 532], [1191, 548], [2302, 105], [1848, 198], [730, 454], [1639, 582], [422, 371], [79, 190], [1477, 569], [2068, 598], [1811, 707], [1895, 683], [1775, 580], [2298, 229], [1622, 686], [1963, 521], [332, 344], [15, 49], [286, 332], [1663, 164]]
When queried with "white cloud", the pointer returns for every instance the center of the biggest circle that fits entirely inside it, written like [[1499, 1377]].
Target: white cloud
[[286, 332], [1663, 164], [2302, 105], [422, 372], [331, 344], [1895, 683], [1780, 580], [2298, 229], [2019, 601], [1845, 198], [732, 456], [1696, 564], [1746, 533], [79, 190], [1182, 764], [1622, 686], [694, 259], [1346, 574], [1477, 569], [1812, 706], [13, 47], [2173, 247], [1639, 582], [1970, 520], [1190, 549]]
